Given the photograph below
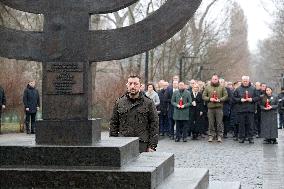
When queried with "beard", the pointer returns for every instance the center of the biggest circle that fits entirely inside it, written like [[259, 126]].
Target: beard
[[133, 92]]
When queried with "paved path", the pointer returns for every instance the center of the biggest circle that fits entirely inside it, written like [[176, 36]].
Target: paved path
[[257, 166]]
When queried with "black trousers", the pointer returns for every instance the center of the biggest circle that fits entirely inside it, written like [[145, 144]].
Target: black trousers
[[257, 121], [30, 117], [164, 124], [182, 127], [171, 123], [246, 127], [0, 118], [281, 116]]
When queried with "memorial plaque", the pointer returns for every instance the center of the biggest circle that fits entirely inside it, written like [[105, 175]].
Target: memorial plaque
[[65, 78]]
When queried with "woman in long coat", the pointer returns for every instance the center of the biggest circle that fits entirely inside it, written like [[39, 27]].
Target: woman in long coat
[[196, 112], [269, 105]]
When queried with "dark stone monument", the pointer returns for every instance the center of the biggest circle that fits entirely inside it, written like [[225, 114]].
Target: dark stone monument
[[68, 151]]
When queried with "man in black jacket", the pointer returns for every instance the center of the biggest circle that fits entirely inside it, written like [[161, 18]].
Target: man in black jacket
[[135, 115], [281, 108], [163, 108], [32, 102], [246, 96], [2, 103]]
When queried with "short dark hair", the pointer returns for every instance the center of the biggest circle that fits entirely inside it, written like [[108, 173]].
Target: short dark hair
[[134, 76]]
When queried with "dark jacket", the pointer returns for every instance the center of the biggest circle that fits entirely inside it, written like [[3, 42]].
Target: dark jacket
[[164, 105], [228, 103], [168, 96], [281, 103], [239, 93], [135, 118], [31, 99], [2, 97], [181, 114]]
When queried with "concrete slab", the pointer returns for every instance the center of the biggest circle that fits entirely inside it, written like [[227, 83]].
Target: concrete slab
[[224, 185], [113, 152], [187, 178], [144, 172]]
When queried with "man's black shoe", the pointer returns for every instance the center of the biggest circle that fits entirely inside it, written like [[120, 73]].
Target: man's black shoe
[[279, 127], [251, 141], [242, 141], [177, 140], [184, 140]]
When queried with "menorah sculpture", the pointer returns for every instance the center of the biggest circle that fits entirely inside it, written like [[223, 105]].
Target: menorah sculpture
[[66, 48], [68, 152]]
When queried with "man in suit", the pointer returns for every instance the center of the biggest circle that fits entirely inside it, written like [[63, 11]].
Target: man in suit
[[168, 96]]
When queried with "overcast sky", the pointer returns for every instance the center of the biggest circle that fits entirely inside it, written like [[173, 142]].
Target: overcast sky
[[258, 19]]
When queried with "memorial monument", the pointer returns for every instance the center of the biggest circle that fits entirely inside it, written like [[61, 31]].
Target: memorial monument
[[68, 151]]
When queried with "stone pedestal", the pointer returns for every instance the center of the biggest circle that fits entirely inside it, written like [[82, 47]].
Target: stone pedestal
[[81, 132]]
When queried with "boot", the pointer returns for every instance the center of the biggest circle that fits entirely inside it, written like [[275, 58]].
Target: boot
[[210, 139], [219, 139], [242, 140], [251, 141]]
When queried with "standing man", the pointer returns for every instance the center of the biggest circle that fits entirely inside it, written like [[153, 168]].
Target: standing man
[[181, 100], [168, 96], [32, 103], [246, 97], [164, 107], [2, 103], [281, 108], [135, 115], [215, 95], [257, 115]]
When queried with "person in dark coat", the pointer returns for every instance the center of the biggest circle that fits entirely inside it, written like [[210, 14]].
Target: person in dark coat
[[163, 108], [168, 96], [2, 103], [135, 115], [227, 109], [246, 96], [269, 105], [257, 115], [281, 108], [196, 112], [31, 101], [181, 100]]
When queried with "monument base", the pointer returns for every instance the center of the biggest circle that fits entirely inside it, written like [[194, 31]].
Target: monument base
[[69, 132]]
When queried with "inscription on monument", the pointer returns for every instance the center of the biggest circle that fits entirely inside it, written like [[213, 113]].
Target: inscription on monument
[[65, 78]]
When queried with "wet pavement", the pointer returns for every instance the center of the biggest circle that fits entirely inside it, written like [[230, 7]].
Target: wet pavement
[[256, 166]]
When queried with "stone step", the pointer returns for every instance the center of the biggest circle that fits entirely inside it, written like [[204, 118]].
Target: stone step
[[113, 152], [187, 178], [224, 185], [144, 172]]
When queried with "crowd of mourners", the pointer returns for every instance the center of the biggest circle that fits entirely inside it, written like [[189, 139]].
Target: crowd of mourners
[[216, 109]]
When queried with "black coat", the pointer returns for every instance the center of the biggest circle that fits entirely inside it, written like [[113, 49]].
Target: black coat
[[228, 103], [281, 103], [2, 97], [196, 120], [245, 107], [269, 127], [164, 105], [135, 118], [168, 97], [31, 99]]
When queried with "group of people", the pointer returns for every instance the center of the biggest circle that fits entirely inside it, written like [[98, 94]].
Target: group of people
[[179, 110], [31, 100], [218, 107]]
